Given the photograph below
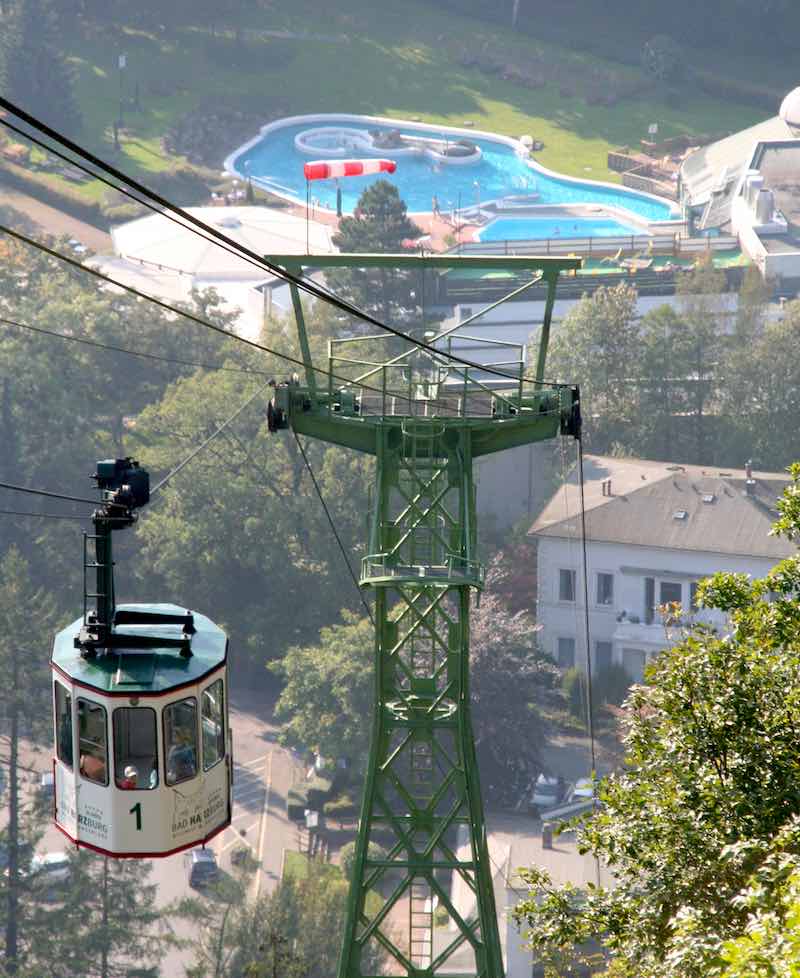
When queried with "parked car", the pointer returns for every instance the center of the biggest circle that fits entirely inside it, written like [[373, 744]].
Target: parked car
[[46, 786], [202, 868], [50, 874], [547, 792], [50, 867]]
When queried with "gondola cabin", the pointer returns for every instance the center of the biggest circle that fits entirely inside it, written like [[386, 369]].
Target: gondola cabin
[[142, 740], [142, 763]]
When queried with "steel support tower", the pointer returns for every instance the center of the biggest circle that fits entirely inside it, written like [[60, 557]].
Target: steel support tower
[[426, 908]]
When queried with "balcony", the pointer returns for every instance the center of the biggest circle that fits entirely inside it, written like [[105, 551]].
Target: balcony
[[639, 635]]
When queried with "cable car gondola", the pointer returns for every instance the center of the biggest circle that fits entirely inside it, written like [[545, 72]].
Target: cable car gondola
[[143, 760]]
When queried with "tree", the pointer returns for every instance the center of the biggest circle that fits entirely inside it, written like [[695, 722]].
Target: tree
[[25, 617], [286, 934], [64, 404], [666, 390], [701, 308], [761, 392], [247, 513], [598, 343], [379, 223], [108, 924], [515, 689], [33, 70], [327, 696], [708, 793], [662, 58]]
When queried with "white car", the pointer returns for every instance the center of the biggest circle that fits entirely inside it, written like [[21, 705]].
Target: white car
[[50, 873], [547, 793], [50, 868]]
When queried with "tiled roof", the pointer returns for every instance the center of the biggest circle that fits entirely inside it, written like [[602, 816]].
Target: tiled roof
[[677, 507]]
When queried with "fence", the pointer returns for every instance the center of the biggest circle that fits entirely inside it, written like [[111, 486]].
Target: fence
[[665, 243]]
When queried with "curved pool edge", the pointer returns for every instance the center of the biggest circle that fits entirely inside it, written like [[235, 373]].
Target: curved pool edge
[[519, 148]]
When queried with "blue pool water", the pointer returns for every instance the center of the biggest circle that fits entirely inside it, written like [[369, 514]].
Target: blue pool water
[[523, 228], [275, 164]]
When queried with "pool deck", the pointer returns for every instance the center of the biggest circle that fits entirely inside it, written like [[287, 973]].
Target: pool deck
[[440, 235]]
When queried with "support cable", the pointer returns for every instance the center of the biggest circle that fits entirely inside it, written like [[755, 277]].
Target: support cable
[[131, 353], [585, 557], [589, 693], [176, 310], [50, 495], [306, 285], [42, 516], [196, 451], [333, 528]]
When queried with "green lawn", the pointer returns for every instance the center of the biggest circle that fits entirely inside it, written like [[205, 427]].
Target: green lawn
[[295, 866], [401, 62]]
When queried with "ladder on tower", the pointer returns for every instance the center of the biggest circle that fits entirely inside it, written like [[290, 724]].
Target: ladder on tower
[[422, 907]]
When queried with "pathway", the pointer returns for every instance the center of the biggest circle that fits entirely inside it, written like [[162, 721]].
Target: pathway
[[54, 221]]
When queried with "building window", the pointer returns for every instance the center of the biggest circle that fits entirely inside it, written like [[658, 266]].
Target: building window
[[634, 661], [605, 589], [670, 592], [63, 724], [602, 655], [93, 741], [213, 723], [649, 600], [180, 740], [566, 652], [135, 748], [566, 585], [693, 595]]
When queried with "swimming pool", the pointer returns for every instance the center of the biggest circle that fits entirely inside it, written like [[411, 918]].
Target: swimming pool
[[274, 162], [524, 228]]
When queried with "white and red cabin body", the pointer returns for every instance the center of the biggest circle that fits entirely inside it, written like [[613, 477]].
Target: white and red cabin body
[[143, 751]]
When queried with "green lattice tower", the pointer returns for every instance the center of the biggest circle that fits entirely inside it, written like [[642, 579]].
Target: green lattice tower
[[425, 420]]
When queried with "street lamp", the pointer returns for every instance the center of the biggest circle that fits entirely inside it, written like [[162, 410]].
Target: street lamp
[[122, 63]]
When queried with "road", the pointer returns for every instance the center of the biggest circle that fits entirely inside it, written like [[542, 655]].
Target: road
[[54, 221], [263, 774]]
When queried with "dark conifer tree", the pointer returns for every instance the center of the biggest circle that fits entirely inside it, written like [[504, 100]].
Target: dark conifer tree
[[34, 73]]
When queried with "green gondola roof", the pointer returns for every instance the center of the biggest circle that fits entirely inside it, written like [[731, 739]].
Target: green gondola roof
[[148, 671]]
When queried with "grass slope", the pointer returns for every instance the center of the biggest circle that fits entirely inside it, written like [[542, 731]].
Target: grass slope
[[400, 62]]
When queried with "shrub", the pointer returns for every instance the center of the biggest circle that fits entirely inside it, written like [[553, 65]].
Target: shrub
[[297, 802], [573, 684], [319, 789], [348, 854], [662, 58], [611, 685], [342, 807], [182, 184]]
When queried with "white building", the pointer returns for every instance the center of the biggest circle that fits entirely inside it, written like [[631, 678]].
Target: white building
[[165, 257], [653, 531], [747, 184]]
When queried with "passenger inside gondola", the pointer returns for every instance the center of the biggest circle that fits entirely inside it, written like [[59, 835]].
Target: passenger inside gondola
[[135, 748], [180, 740], [93, 741]]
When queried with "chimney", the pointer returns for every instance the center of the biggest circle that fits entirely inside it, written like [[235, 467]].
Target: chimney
[[749, 481]]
